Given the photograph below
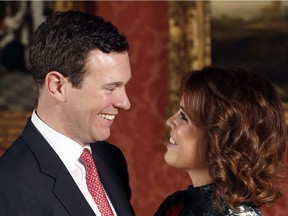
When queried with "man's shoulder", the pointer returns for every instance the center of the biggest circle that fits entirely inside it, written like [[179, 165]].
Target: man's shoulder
[[109, 153], [16, 150], [15, 161], [105, 146]]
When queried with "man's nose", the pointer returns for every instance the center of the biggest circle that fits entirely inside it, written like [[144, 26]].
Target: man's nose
[[123, 102]]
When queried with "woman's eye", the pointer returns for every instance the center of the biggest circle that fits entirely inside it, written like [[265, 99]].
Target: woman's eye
[[183, 116]]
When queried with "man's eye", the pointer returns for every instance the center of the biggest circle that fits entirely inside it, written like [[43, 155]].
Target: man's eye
[[183, 116], [111, 89]]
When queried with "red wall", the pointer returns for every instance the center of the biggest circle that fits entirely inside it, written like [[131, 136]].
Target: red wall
[[140, 132]]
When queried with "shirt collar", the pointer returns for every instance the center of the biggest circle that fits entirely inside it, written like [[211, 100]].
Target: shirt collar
[[67, 149]]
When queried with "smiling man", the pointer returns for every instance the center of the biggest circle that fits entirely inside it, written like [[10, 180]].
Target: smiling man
[[81, 66]]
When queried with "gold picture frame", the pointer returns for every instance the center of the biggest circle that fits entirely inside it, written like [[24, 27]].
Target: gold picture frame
[[189, 43], [254, 34]]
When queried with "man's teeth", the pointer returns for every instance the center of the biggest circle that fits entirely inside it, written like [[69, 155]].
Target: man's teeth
[[107, 116], [172, 141]]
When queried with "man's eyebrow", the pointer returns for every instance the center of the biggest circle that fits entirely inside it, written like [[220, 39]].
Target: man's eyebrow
[[116, 83], [113, 84]]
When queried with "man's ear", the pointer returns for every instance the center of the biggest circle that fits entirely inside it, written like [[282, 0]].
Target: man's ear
[[55, 83]]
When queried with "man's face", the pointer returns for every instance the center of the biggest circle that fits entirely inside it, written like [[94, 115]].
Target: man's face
[[89, 111]]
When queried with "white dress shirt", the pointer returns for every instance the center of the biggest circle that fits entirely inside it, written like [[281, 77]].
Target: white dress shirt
[[69, 152]]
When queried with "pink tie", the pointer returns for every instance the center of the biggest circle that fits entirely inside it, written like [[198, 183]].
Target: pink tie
[[94, 184]]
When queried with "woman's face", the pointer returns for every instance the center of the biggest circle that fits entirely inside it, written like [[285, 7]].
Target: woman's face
[[187, 145]]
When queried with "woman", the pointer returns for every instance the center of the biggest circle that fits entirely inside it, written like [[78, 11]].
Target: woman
[[230, 136]]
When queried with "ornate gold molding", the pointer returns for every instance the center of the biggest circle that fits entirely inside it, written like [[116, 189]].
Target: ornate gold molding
[[189, 42]]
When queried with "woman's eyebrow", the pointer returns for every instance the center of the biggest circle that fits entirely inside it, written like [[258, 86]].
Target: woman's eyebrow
[[183, 109]]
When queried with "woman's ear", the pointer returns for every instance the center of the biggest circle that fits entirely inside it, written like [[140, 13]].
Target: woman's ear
[[55, 84]]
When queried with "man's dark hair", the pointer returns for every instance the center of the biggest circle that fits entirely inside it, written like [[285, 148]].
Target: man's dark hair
[[64, 41]]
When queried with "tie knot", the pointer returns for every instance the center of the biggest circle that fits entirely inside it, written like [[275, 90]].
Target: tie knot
[[86, 157]]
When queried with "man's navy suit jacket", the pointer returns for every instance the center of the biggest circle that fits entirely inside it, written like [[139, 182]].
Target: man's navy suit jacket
[[35, 182]]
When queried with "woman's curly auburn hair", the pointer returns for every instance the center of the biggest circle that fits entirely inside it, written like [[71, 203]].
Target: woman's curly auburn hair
[[242, 117]]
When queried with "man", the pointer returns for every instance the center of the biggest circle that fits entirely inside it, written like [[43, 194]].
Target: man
[[81, 66]]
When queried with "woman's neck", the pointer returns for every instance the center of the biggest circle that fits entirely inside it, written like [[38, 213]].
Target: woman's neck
[[200, 177]]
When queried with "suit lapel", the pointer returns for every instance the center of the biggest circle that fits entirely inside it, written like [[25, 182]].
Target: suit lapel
[[65, 189], [70, 196]]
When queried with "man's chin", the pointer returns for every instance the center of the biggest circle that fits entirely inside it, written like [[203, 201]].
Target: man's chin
[[103, 137]]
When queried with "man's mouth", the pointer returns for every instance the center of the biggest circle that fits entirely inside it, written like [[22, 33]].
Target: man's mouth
[[172, 141], [109, 117]]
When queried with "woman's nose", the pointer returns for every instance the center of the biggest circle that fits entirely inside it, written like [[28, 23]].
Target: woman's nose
[[169, 121]]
